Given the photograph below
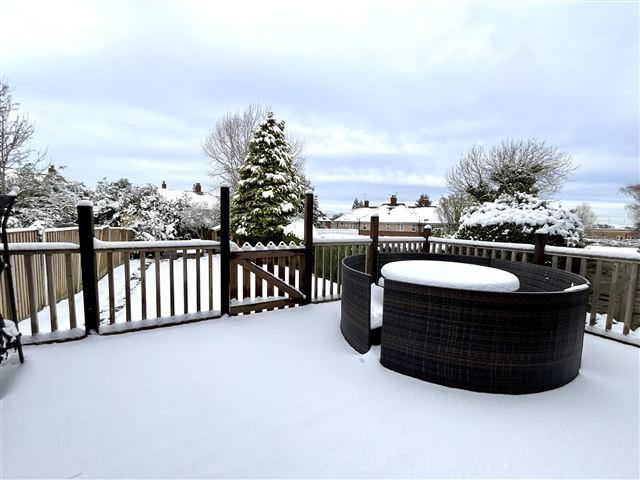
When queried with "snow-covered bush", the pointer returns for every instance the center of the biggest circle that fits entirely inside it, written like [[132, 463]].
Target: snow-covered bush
[[149, 214], [195, 219], [515, 218], [47, 198], [143, 209], [269, 189]]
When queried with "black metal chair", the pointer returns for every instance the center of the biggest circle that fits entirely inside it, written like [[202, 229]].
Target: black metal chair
[[9, 334]]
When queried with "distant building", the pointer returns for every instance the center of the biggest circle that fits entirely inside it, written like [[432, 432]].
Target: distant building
[[396, 219], [195, 195], [324, 221], [612, 232]]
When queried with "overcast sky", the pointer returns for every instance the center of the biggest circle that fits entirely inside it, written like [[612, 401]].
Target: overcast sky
[[386, 95]]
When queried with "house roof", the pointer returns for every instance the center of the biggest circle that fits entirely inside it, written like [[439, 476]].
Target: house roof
[[392, 214], [205, 199]]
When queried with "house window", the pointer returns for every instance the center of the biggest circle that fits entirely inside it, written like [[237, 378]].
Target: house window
[[365, 226], [399, 227], [414, 228], [386, 227]]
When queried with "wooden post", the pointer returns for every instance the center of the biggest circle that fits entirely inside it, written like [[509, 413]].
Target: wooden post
[[225, 250], [427, 234], [8, 269], [372, 256], [88, 267], [539, 244], [307, 273]]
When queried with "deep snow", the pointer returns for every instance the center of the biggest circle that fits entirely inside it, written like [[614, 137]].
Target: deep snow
[[282, 394]]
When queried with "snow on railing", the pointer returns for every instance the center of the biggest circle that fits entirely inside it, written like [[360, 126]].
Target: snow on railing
[[164, 245], [32, 248], [246, 247], [613, 254]]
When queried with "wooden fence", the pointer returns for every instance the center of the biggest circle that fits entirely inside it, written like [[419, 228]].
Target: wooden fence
[[31, 272], [180, 281]]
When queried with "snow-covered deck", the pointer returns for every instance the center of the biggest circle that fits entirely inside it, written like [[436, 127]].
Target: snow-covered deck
[[282, 394]]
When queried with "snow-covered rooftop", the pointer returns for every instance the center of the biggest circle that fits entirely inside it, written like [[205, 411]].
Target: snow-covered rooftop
[[392, 214], [281, 394], [205, 199]]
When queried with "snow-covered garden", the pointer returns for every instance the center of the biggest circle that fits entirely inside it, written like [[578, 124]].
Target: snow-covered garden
[[281, 394]]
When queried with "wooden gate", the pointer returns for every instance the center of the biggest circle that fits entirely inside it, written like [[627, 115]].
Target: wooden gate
[[265, 279]]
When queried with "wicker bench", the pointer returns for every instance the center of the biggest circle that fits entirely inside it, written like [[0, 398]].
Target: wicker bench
[[500, 342]]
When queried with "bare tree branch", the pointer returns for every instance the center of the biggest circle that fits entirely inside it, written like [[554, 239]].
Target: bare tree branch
[[586, 214], [634, 207], [450, 209], [16, 131], [483, 173], [227, 144]]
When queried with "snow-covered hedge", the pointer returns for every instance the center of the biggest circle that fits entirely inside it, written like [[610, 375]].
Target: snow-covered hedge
[[149, 214], [516, 218]]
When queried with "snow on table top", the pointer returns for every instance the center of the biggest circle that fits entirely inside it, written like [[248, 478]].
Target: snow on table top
[[281, 394], [451, 275]]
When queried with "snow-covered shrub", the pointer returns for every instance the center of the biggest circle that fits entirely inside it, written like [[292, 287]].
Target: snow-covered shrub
[[195, 219], [269, 189], [515, 218], [149, 214], [47, 198]]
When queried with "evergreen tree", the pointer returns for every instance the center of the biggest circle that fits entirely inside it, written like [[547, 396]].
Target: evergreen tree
[[423, 200], [269, 189], [357, 204]]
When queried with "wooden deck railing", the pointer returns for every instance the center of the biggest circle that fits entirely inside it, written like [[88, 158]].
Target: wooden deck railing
[[49, 274], [30, 281], [190, 291], [168, 282]]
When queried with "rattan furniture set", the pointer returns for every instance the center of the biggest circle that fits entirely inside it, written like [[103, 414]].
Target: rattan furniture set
[[524, 341]]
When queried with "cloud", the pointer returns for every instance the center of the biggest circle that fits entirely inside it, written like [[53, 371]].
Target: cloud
[[377, 177], [387, 95]]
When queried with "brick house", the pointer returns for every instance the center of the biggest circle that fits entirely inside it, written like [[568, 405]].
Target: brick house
[[396, 219]]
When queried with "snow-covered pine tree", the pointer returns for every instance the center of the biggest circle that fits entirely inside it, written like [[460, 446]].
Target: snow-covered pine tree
[[269, 190]]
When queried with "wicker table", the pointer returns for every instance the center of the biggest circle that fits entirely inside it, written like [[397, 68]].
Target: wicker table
[[451, 275]]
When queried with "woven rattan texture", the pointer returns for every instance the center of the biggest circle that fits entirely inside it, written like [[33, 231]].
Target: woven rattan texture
[[500, 342], [355, 318]]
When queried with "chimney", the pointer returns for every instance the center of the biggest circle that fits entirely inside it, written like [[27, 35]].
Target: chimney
[[394, 200], [366, 204], [197, 188], [164, 184]]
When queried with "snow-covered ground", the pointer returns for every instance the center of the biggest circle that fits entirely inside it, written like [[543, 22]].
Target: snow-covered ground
[[281, 394]]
